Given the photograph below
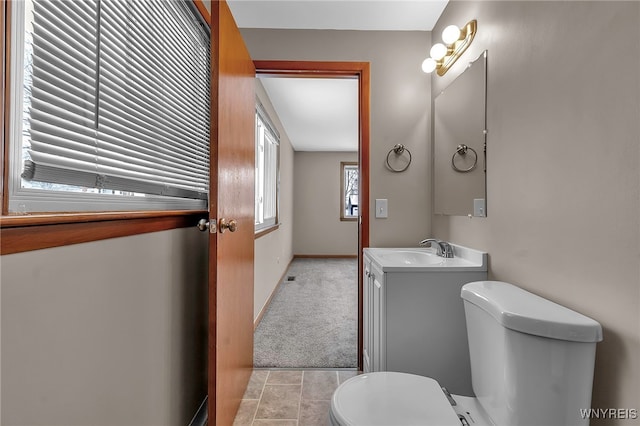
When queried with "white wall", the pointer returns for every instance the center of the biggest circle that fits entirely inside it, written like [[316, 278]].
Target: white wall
[[274, 251], [563, 166], [110, 332]]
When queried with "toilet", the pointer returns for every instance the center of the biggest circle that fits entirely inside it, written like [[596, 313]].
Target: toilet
[[532, 363]]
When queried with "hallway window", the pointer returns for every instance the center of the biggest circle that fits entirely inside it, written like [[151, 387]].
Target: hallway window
[[348, 191], [267, 171], [114, 108]]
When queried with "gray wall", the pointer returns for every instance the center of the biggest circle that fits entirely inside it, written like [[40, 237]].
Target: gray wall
[[563, 160], [111, 332], [400, 113], [274, 251], [317, 228]]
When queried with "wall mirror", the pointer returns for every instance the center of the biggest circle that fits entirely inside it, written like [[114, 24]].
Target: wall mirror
[[460, 144]]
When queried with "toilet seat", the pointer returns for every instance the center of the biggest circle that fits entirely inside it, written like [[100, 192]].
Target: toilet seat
[[390, 398]]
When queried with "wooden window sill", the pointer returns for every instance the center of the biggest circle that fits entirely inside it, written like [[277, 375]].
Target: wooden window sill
[[265, 231], [348, 219], [39, 231]]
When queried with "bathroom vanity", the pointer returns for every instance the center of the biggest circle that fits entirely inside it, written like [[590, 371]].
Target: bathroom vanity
[[414, 316]]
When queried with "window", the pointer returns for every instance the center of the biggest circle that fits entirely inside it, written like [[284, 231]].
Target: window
[[267, 171], [348, 191], [113, 98]]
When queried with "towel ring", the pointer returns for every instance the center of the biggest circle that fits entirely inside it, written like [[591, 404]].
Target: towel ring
[[461, 151], [399, 149]]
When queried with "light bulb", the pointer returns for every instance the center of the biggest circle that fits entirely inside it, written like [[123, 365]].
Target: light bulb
[[429, 65], [438, 51], [451, 34]]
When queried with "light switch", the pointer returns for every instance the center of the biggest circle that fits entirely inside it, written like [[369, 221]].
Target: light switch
[[478, 207], [382, 208]]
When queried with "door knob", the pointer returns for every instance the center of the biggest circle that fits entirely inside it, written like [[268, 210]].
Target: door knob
[[230, 224]]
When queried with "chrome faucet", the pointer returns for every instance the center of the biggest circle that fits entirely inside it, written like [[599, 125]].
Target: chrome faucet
[[443, 248]]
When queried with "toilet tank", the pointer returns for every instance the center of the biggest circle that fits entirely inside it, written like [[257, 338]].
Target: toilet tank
[[532, 360]]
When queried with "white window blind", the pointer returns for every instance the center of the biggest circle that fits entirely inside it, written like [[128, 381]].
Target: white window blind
[[120, 98]]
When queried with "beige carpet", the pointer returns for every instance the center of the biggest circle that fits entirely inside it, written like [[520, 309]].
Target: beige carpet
[[312, 320]]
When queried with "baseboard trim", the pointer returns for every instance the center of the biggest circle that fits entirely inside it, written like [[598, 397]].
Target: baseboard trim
[[308, 369], [200, 418], [273, 293], [325, 256]]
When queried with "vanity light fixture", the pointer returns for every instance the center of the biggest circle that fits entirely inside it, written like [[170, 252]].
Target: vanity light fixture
[[456, 40]]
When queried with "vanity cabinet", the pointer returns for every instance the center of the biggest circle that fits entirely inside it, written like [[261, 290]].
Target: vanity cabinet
[[374, 318], [414, 322]]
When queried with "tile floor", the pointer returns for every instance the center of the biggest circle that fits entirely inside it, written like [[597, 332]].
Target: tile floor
[[289, 397]]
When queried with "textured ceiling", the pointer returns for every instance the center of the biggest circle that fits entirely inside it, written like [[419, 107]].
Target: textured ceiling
[[386, 15], [318, 114]]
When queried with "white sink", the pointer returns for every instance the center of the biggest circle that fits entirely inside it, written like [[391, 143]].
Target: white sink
[[425, 259], [409, 257]]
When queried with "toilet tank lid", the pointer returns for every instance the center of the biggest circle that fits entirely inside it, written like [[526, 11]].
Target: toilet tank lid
[[522, 311]]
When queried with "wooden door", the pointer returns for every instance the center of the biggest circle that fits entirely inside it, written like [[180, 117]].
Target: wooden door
[[232, 199]]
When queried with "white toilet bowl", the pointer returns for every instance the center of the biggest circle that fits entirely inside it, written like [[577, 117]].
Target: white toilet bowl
[[399, 399]]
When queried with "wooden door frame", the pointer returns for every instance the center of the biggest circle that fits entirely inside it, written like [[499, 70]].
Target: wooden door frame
[[361, 71]]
